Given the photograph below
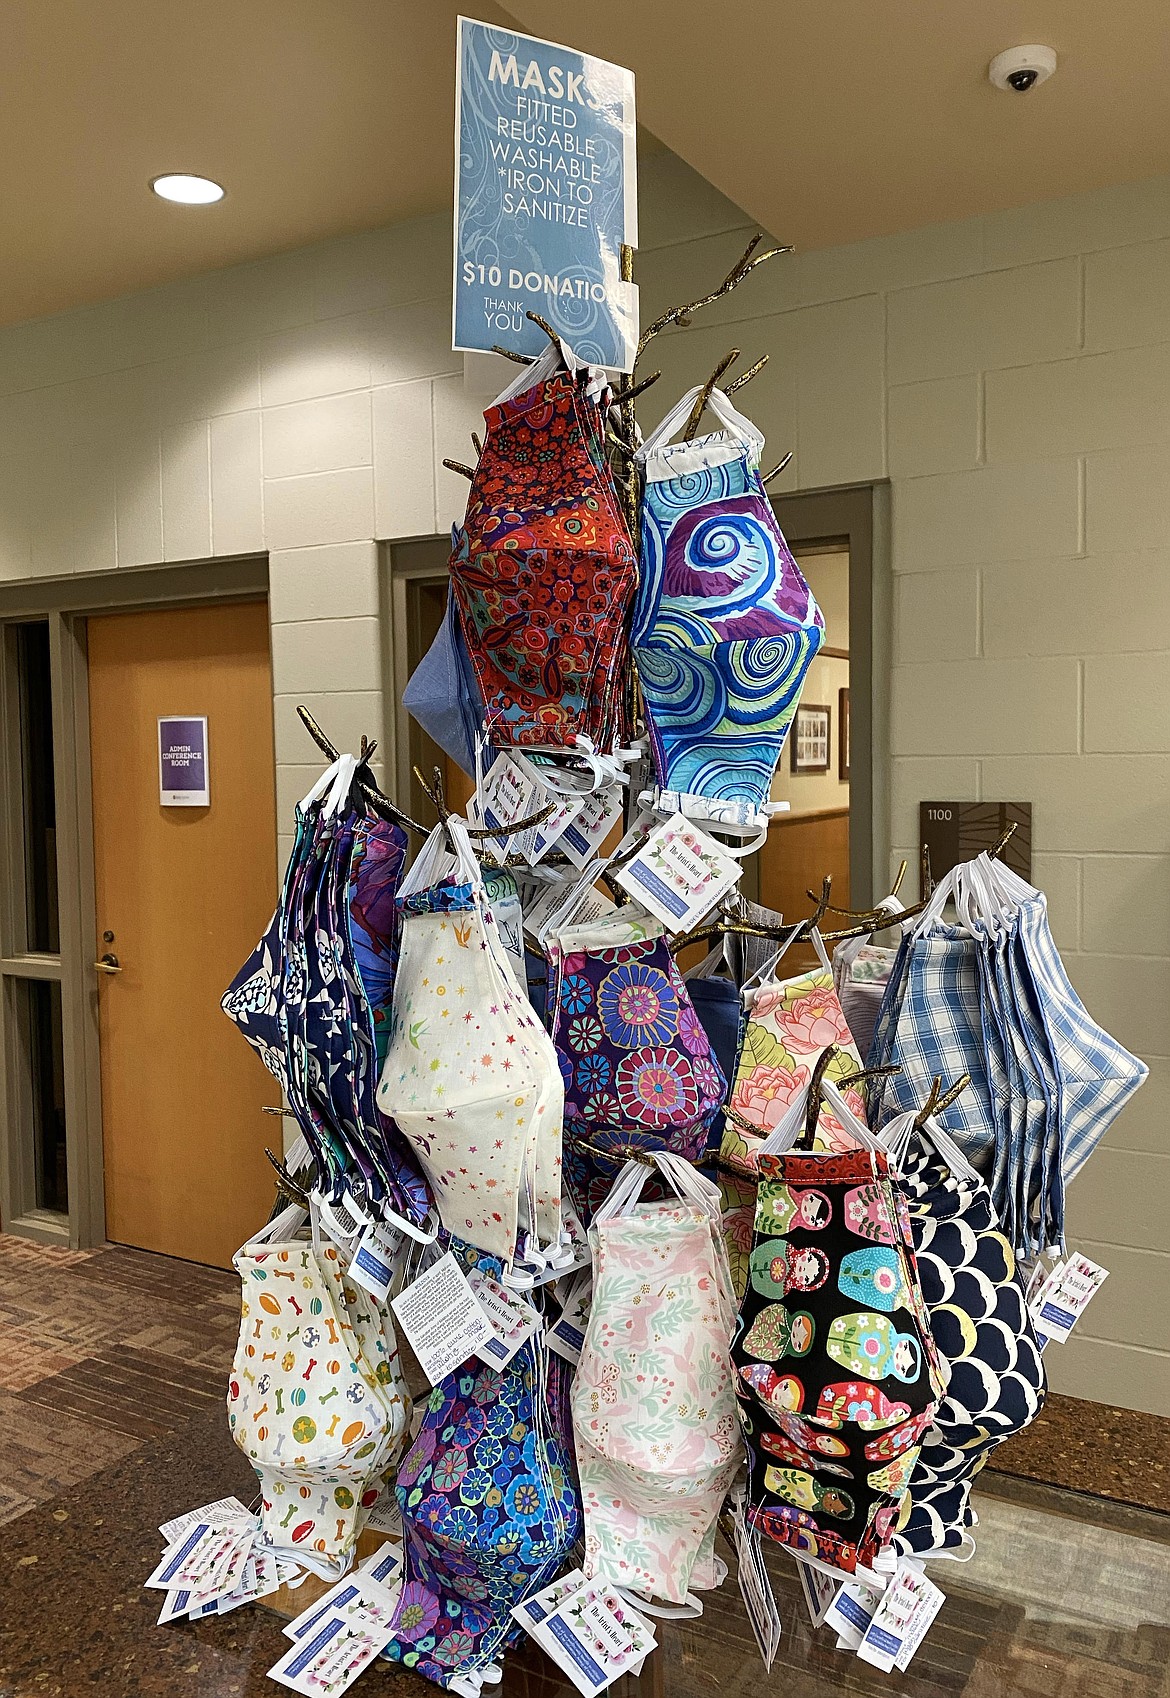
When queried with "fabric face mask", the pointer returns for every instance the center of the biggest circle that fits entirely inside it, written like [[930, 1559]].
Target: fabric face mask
[[832, 1344], [789, 1026], [725, 626], [470, 1077], [654, 1411], [489, 1508], [316, 1399], [543, 572], [637, 1063], [442, 694], [979, 1319]]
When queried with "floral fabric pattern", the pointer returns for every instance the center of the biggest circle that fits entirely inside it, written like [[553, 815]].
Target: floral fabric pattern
[[654, 1402], [788, 1028], [637, 1064], [489, 1505], [543, 572]]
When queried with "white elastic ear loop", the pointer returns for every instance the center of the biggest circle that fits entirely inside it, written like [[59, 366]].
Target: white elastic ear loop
[[624, 1192], [322, 784], [686, 1611], [342, 785], [818, 943], [781, 1139], [856, 1128]]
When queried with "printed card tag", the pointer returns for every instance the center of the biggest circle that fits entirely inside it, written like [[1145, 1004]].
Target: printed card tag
[[548, 833], [595, 818], [589, 1632], [343, 1217], [1064, 1296], [217, 1514], [512, 1319], [508, 794], [567, 1335], [195, 1559], [385, 1517], [372, 1266], [680, 873], [901, 1620], [330, 1659], [819, 1591], [755, 1586], [442, 1319], [851, 1610], [359, 1592]]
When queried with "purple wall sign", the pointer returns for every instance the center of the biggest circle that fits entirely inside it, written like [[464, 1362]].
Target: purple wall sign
[[183, 778]]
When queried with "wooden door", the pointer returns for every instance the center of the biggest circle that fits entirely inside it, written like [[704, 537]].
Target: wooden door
[[186, 893]]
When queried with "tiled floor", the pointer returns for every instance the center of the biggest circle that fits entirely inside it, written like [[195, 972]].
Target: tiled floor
[[123, 1425]]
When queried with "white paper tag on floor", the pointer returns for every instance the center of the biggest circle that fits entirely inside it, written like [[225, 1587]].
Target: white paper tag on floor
[[332, 1657], [441, 1318], [357, 1592], [850, 1612]]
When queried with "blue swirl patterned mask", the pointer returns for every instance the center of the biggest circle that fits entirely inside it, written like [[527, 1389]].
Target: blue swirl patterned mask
[[725, 626]]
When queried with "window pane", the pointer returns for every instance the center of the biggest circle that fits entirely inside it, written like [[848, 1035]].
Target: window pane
[[40, 817], [40, 1060]]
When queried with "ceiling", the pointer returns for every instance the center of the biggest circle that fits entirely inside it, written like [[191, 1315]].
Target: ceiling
[[827, 120]]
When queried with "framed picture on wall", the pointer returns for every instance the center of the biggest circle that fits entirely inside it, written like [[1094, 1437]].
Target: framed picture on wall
[[843, 734], [810, 738]]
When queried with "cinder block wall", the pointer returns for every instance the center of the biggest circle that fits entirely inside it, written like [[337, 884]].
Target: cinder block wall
[[1010, 375]]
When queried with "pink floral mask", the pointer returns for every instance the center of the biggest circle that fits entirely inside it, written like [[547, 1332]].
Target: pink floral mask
[[790, 1024]]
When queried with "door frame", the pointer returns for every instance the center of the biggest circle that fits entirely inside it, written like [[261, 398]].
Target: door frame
[[67, 603], [855, 517]]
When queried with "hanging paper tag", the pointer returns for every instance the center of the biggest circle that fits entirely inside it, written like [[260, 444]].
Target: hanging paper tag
[[550, 830], [596, 816], [680, 873], [1065, 1294], [754, 1585], [593, 1635], [901, 1620], [218, 1514], [440, 1316], [591, 905], [819, 1591], [372, 1266], [567, 1335], [508, 794], [512, 1319], [851, 1610]]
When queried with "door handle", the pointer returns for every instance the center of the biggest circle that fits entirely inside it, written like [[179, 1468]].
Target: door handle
[[109, 963]]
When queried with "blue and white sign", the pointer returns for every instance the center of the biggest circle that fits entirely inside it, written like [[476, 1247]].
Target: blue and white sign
[[546, 193], [183, 778]]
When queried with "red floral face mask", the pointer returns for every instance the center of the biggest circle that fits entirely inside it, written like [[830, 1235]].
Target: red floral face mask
[[544, 572]]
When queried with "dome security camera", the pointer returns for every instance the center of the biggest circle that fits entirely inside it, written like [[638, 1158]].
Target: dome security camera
[[1022, 68]]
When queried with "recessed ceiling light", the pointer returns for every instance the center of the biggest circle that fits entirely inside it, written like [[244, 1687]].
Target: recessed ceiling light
[[187, 190]]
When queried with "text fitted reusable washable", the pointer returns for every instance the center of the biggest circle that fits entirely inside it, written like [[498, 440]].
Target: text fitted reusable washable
[[725, 626]]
